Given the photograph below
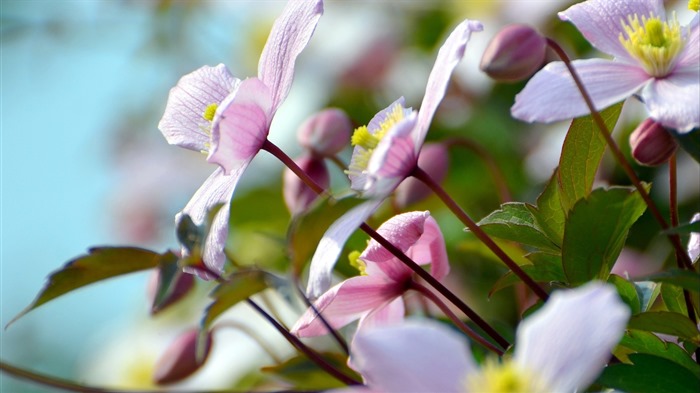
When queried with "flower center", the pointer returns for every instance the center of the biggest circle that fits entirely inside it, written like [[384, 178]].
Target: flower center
[[653, 42], [694, 5], [208, 115], [368, 141], [357, 263], [504, 377]]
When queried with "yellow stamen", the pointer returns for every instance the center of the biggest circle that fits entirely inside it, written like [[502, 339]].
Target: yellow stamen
[[368, 141], [504, 377], [357, 263], [694, 5], [210, 111], [653, 42]]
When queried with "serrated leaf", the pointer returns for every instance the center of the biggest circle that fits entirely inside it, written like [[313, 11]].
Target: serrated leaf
[[549, 213], [515, 222], [690, 142], [99, 264], [682, 278], [581, 155], [666, 322], [649, 374], [545, 268], [627, 292], [645, 342], [673, 298], [596, 229]]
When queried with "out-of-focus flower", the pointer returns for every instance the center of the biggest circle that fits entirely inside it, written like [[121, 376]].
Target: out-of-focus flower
[[325, 133], [561, 348], [434, 160], [385, 153], [694, 241], [375, 297], [180, 359], [651, 53], [651, 144], [514, 54], [297, 195], [211, 111]]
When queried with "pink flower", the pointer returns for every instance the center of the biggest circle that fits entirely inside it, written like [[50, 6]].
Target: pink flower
[[563, 347], [386, 151], [375, 297], [651, 53], [211, 111]]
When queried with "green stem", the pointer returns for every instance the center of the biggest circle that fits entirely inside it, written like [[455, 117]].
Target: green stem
[[478, 232]]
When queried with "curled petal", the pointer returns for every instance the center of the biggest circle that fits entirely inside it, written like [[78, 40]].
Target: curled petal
[[430, 248], [437, 359], [569, 340], [600, 21], [448, 57], [183, 123], [402, 230], [551, 94], [289, 36], [673, 101], [393, 159], [241, 125]]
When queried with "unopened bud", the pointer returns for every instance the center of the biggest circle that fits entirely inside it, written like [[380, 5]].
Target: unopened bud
[[180, 359], [514, 54], [297, 195], [652, 144], [433, 159], [326, 133], [165, 292]]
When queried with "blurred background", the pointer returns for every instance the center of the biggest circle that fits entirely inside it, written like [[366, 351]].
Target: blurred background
[[84, 84]]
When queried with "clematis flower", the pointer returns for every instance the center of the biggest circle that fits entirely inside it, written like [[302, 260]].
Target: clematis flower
[[375, 297], [563, 347], [652, 53], [228, 119], [385, 153], [694, 241]]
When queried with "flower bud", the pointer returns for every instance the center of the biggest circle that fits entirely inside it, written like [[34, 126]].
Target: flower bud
[[651, 144], [326, 133], [433, 159], [180, 359], [297, 195], [514, 54], [162, 296]]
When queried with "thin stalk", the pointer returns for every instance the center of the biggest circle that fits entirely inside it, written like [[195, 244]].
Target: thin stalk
[[282, 156], [341, 342], [478, 232], [427, 293], [620, 158]]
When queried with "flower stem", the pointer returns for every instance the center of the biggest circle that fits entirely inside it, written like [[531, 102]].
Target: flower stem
[[277, 152], [619, 157], [458, 322], [341, 342], [478, 232]]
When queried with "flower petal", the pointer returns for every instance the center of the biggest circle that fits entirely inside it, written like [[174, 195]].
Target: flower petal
[[694, 241], [430, 248], [344, 303], [551, 94], [448, 57], [690, 57], [600, 21], [569, 340], [390, 313], [289, 36], [331, 244], [375, 124], [183, 123], [402, 230], [241, 125], [392, 160], [436, 360], [673, 101]]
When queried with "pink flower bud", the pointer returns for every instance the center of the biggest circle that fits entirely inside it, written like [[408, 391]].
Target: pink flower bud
[[326, 133], [297, 195], [433, 159], [651, 144], [514, 54], [180, 359], [182, 285]]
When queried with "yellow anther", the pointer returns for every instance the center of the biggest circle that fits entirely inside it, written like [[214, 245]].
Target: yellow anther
[[653, 42], [362, 137], [357, 263], [210, 111], [694, 5], [504, 377]]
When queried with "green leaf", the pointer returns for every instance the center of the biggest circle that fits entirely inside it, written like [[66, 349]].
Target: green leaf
[[645, 342], [549, 213], [649, 374], [627, 292], [514, 221], [684, 229], [690, 142], [172, 284], [545, 268], [673, 298], [682, 278], [647, 291], [666, 322], [596, 229], [581, 155], [99, 264], [306, 375]]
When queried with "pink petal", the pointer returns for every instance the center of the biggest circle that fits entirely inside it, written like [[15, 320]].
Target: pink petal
[[183, 123], [551, 94], [690, 57], [449, 55], [569, 340], [217, 189], [289, 36], [694, 241], [331, 245], [381, 116], [430, 248], [600, 21], [241, 125], [673, 101], [392, 160], [416, 356], [344, 303], [390, 313]]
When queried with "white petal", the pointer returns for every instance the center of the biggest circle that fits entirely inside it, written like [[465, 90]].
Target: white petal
[[694, 241], [673, 101]]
